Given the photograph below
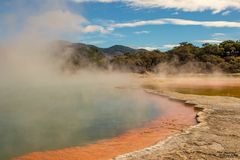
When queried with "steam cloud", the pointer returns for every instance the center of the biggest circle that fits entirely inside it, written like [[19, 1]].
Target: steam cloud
[[30, 53], [28, 50]]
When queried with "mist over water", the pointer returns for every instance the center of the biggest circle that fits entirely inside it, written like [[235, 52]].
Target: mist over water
[[65, 113], [42, 107]]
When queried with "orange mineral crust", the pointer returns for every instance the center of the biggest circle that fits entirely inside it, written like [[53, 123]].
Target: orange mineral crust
[[175, 117]]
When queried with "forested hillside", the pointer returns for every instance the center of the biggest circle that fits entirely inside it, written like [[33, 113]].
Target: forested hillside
[[186, 57]]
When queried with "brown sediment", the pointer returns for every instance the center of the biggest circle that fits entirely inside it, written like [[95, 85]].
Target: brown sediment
[[171, 82], [209, 86], [176, 116], [201, 82]]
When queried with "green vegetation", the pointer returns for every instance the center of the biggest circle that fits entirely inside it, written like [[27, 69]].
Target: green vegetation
[[139, 62], [186, 57]]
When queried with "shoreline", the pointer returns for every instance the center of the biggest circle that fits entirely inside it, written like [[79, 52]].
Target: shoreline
[[215, 136], [134, 139]]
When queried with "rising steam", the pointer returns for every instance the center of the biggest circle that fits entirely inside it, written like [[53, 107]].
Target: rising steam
[[28, 50]]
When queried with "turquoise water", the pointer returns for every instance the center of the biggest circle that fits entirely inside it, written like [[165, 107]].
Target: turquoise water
[[53, 116]]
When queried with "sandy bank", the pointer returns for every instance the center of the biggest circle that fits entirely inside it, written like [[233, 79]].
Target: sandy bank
[[216, 136]]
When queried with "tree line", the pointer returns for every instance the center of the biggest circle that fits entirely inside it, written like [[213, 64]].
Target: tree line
[[186, 57]]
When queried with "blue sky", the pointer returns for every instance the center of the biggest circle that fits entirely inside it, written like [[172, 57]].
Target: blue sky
[[158, 24]]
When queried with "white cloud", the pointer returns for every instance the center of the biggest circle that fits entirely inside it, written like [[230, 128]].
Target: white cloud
[[216, 38], [216, 35], [95, 42], [59, 21], [225, 13], [142, 32], [118, 35], [56, 21], [209, 41], [163, 47], [173, 21], [183, 22], [95, 28], [175, 13], [186, 5], [148, 48], [169, 46]]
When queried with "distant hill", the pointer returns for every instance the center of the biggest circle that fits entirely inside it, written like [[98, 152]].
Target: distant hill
[[79, 55], [118, 50], [111, 51]]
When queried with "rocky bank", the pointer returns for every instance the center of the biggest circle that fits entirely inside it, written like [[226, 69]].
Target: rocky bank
[[215, 137]]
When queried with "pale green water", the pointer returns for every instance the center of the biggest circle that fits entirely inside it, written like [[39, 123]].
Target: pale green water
[[44, 117]]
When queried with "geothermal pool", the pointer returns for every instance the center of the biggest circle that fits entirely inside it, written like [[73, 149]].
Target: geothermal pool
[[45, 118], [51, 116]]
